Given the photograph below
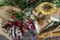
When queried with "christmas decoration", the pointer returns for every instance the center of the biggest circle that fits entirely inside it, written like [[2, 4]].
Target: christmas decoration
[[20, 24], [23, 3], [24, 19], [46, 8]]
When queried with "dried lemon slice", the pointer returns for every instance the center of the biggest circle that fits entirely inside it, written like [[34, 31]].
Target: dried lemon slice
[[47, 8]]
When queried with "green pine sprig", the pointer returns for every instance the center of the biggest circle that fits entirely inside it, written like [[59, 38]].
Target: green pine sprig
[[57, 2], [19, 15]]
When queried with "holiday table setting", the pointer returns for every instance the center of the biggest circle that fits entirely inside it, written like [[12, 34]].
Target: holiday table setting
[[29, 19]]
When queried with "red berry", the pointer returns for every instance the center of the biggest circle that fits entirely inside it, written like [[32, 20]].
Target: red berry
[[19, 25], [20, 21], [10, 23], [13, 17], [15, 23], [33, 27], [32, 0], [26, 27], [29, 22], [22, 31]]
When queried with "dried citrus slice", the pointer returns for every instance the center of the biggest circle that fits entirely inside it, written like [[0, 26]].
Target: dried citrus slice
[[47, 8]]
